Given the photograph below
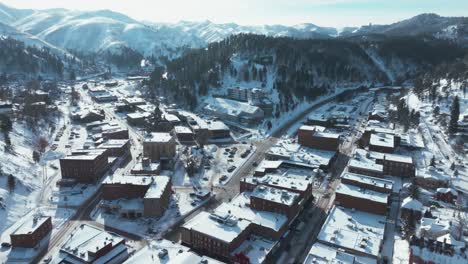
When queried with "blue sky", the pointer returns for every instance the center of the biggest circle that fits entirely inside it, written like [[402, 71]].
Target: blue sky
[[336, 13]]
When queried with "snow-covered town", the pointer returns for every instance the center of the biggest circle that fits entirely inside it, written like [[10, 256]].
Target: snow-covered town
[[102, 164]]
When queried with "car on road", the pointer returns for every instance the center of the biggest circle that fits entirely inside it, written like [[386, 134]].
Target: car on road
[[6, 245], [223, 178]]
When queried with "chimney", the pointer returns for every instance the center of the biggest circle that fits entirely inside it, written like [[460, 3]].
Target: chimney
[[145, 162]]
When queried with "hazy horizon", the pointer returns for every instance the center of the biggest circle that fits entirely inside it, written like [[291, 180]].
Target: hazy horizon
[[325, 13]]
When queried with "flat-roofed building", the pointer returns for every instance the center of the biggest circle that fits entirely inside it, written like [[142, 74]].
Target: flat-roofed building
[[357, 232], [138, 119], [382, 142], [157, 146], [303, 186], [264, 198], [369, 168], [184, 134], [31, 232], [359, 198], [367, 182], [327, 254], [89, 244], [315, 137], [220, 233], [84, 166], [155, 191], [116, 147]]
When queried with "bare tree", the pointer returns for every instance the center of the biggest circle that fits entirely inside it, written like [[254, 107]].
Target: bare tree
[[41, 144]]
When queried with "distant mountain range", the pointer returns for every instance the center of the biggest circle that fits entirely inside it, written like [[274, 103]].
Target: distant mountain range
[[105, 30]]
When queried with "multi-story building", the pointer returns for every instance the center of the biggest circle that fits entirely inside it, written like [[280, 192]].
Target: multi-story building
[[352, 196], [31, 232], [155, 191], [367, 182], [157, 146], [220, 233], [315, 137], [89, 244], [84, 166], [116, 147]]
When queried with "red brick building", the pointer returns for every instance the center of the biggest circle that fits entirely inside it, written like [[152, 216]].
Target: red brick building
[[314, 137], [155, 191], [367, 182], [274, 200], [351, 196], [218, 234], [84, 166], [31, 232], [116, 147], [448, 195]]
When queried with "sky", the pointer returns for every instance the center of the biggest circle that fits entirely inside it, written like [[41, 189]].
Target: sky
[[334, 13]]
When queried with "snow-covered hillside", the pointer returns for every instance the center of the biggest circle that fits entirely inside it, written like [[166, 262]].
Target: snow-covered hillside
[[28, 39], [97, 31]]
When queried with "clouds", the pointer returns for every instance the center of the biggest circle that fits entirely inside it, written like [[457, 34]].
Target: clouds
[[322, 12]]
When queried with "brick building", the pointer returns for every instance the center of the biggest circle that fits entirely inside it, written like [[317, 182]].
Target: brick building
[[314, 137], [155, 191], [351, 196], [157, 146], [184, 134], [218, 234], [448, 195], [274, 200], [116, 147], [84, 166], [303, 187], [369, 168], [382, 142], [31, 232], [367, 182]]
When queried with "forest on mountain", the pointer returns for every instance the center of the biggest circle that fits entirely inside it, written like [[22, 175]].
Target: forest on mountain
[[16, 56], [303, 68]]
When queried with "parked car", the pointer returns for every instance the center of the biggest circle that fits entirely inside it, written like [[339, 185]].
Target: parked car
[[231, 168]]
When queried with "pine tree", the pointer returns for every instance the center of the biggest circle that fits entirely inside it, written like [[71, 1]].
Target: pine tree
[[11, 183], [454, 115]]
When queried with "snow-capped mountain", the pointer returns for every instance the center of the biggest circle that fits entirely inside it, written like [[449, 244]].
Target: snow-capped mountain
[[97, 31], [208, 31], [28, 39], [104, 30], [10, 15], [427, 24]]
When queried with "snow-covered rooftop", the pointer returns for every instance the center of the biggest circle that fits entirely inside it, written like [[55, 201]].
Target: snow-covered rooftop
[[355, 230], [256, 249], [368, 180], [229, 220], [30, 225], [282, 181], [230, 107], [325, 254], [159, 137], [85, 154], [86, 240], [275, 195], [355, 191], [182, 130], [412, 204], [382, 140], [366, 164], [176, 253]]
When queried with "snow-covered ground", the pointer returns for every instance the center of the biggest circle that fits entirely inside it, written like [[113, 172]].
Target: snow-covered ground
[[150, 227]]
